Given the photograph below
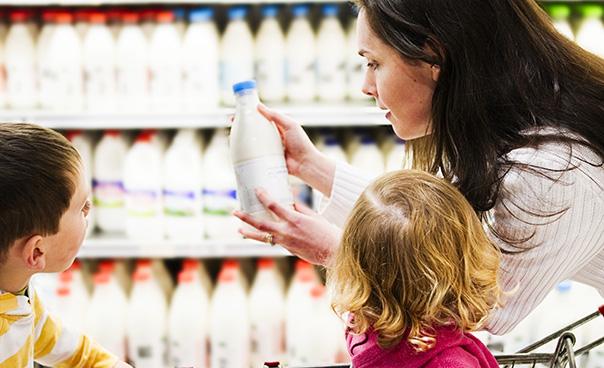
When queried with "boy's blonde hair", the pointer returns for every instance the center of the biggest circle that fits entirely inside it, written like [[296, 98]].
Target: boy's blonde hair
[[413, 256], [38, 176]]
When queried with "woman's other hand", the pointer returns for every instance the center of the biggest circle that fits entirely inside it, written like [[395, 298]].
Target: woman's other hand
[[303, 232]]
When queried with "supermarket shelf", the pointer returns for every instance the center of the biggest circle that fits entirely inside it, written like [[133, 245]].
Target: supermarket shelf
[[148, 2], [361, 114], [120, 247]]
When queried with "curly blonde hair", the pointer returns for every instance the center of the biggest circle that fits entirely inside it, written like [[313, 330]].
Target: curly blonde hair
[[413, 256]]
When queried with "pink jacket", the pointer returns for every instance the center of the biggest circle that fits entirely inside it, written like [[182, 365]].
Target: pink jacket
[[453, 349]]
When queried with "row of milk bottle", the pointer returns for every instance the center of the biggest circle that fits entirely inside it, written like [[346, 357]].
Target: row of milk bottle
[[178, 188], [170, 65], [148, 320], [589, 30], [566, 304]]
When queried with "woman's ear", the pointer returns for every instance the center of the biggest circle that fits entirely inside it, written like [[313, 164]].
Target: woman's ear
[[435, 68]]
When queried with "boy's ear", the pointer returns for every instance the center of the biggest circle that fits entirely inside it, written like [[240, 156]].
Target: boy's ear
[[34, 253]]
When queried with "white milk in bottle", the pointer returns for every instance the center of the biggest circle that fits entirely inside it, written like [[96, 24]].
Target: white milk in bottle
[[46, 79], [66, 61], [257, 154], [132, 65], [114, 21], [180, 20], [108, 182], [267, 311], [590, 34], [355, 63], [20, 58], [396, 155], [148, 21], [106, 318], [331, 56], [219, 189], [165, 50], [183, 187], [201, 63], [143, 187], [146, 322], [229, 323], [269, 57], [188, 323], [99, 64], [83, 144], [332, 148], [236, 53], [300, 56], [81, 22], [202, 276], [368, 156], [560, 14]]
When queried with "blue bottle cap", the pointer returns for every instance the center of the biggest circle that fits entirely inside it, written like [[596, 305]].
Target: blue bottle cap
[[179, 13], [248, 84], [300, 10], [330, 10], [269, 11], [564, 286], [201, 15], [237, 12]]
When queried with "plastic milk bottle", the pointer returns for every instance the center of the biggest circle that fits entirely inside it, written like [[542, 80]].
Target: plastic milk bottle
[[65, 58], [560, 14], [236, 53], [166, 63], [331, 56], [201, 63], [81, 22], [20, 61], [99, 64], [108, 182], [132, 65], [183, 187], [270, 57], [300, 55], [590, 34], [257, 154], [355, 63], [368, 156], [45, 76]]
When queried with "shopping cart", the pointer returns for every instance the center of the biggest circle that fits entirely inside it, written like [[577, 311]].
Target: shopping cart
[[564, 355]]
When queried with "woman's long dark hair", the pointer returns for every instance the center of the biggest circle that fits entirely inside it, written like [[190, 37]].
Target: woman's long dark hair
[[504, 69]]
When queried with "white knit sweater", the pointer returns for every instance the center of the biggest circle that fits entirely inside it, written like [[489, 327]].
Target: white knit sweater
[[567, 246]]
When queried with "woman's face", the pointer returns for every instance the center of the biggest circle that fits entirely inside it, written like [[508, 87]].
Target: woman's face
[[403, 88]]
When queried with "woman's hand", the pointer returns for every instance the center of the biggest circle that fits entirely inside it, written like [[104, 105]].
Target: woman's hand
[[302, 232], [303, 159]]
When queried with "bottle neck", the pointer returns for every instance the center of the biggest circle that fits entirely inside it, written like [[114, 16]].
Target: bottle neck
[[247, 98]]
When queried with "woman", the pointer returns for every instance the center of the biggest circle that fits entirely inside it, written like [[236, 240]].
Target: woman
[[491, 97]]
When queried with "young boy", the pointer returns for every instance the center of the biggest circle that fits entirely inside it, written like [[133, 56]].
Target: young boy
[[44, 201]]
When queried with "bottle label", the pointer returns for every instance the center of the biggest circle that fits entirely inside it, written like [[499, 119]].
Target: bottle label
[[269, 173], [108, 194], [219, 202], [166, 81], [198, 83], [142, 203], [188, 353], [180, 203], [100, 83]]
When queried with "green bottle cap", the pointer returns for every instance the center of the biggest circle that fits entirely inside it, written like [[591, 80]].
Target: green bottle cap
[[559, 11], [592, 10]]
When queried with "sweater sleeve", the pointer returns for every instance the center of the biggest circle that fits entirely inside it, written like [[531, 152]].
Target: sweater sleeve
[[61, 346], [348, 184], [560, 220]]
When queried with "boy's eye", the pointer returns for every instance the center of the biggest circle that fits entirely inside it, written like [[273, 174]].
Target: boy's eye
[[87, 206]]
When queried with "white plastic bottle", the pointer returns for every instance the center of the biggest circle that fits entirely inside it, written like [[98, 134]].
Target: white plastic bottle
[[106, 318], [219, 189], [269, 55], [132, 55], [147, 322], [201, 63], [165, 60], [368, 156], [46, 79], [396, 156], [108, 182], [331, 56], [188, 323], [114, 21], [66, 61], [202, 276], [257, 154], [148, 21], [99, 65], [590, 34], [236, 53], [229, 324], [267, 311], [81, 22], [72, 301], [355, 63], [300, 56], [332, 148], [180, 20], [183, 187], [559, 14], [83, 144], [143, 187], [20, 61]]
